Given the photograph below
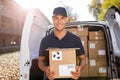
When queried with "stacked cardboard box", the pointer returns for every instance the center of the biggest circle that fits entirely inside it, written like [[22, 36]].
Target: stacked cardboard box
[[84, 41], [73, 30], [97, 54], [97, 68], [82, 32], [95, 49], [96, 35]]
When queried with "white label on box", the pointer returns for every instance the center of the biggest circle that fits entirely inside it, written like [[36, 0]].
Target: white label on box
[[83, 43], [65, 70], [92, 45], [80, 28], [102, 70], [101, 52], [92, 63], [57, 55], [96, 33], [96, 37]]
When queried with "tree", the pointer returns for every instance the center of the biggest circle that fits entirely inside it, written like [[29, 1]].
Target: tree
[[99, 9], [94, 8], [72, 15], [107, 4]]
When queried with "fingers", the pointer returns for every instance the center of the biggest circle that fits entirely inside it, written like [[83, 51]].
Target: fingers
[[50, 74], [51, 78], [76, 74]]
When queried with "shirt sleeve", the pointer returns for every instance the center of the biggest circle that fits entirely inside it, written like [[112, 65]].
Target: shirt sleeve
[[43, 47], [80, 45]]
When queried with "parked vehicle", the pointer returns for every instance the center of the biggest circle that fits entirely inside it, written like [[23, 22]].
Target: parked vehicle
[[36, 27]]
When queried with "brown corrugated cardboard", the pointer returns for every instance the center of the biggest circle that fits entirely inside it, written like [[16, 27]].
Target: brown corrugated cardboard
[[73, 30], [97, 49], [102, 68], [96, 35], [101, 54], [62, 62], [85, 43], [97, 68], [93, 70], [82, 31]]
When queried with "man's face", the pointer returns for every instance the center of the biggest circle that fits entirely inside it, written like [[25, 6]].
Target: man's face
[[59, 22]]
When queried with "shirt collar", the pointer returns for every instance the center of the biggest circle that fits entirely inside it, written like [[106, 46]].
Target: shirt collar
[[67, 34]]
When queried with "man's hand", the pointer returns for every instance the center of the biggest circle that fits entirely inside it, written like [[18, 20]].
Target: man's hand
[[76, 74], [50, 74], [46, 69]]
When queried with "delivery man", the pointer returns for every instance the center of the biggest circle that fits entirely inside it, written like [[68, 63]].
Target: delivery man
[[60, 38]]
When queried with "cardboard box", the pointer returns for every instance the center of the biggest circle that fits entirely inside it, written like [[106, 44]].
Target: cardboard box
[[62, 62], [84, 40], [82, 31], [73, 29], [97, 49], [96, 35], [102, 69], [97, 68], [93, 69]]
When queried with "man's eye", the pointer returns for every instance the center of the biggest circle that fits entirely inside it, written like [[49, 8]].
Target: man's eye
[[63, 17], [55, 17]]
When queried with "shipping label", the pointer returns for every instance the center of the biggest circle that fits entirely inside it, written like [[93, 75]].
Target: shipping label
[[65, 70]]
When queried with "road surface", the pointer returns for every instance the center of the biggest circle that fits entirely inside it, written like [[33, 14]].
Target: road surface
[[9, 66]]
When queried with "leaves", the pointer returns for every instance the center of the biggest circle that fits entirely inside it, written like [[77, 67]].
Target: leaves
[[107, 4], [99, 9]]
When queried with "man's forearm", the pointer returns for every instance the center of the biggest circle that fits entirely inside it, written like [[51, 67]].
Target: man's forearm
[[82, 62], [41, 65]]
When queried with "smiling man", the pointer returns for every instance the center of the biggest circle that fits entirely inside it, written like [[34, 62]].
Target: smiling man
[[60, 38]]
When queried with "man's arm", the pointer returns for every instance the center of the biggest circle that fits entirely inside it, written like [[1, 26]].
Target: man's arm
[[82, 61], [41, 64], [46, 69], [79, 68]]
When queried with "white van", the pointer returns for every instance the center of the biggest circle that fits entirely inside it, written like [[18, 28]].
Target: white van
[[37, 26]]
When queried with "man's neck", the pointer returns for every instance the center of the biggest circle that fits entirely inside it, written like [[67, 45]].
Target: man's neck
[[60, 34]]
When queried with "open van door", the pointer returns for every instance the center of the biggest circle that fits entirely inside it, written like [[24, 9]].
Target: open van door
[[34, 30], [113, 19]]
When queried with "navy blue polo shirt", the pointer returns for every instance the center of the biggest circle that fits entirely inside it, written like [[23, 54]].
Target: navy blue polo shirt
[[68, 41]]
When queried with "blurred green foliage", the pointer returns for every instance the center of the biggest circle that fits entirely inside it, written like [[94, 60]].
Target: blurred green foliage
[[107, 4], [99, 9]]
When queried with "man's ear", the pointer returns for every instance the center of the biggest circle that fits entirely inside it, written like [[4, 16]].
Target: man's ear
[[67, 19]]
